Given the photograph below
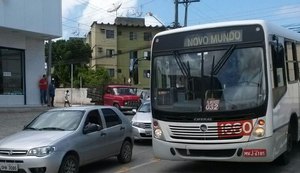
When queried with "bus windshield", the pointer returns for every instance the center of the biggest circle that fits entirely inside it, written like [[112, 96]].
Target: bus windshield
[[219, 80]]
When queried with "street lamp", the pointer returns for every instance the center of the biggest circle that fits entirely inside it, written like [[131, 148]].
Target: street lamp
[[151, 14]]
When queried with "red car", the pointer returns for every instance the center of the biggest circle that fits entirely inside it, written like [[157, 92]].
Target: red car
[[121, 96]]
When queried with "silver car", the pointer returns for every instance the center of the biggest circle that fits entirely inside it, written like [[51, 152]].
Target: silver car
[[141, 122], [61, 140]]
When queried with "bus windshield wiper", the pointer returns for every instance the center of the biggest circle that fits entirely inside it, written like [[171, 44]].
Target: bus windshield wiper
[[223, 59], [212, 77], [185, 69]]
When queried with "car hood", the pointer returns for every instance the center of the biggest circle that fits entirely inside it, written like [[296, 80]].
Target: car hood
[[28, 139], [145, 117]]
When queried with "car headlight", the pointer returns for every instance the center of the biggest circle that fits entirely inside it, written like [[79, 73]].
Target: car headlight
[[41, 151], [138, 124], [126, 103]]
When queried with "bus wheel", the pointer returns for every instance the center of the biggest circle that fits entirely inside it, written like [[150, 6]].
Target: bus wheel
[[284, 158]]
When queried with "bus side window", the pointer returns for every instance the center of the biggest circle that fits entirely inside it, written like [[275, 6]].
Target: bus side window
[[297, 53], [291, 61], [279, 76]]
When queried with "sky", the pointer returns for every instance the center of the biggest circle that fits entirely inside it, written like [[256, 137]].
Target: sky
[[78, 15]]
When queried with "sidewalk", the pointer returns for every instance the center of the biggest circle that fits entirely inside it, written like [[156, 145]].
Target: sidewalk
[[34, 108], [24, 109]]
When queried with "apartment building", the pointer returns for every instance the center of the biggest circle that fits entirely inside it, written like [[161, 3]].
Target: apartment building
[[122, 46]]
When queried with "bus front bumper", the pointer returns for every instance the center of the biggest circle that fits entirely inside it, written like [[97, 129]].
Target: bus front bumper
[[254, 151]]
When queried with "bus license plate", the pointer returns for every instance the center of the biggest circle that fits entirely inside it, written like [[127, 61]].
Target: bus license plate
[[9, 167], [255, 152]]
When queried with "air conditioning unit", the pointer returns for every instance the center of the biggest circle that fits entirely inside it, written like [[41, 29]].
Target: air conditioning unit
[[147, 55]]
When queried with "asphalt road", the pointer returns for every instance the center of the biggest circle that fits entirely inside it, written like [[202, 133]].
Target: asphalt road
[[143, 160]]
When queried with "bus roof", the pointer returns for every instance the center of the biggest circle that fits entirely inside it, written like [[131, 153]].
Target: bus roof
[[268, 27]]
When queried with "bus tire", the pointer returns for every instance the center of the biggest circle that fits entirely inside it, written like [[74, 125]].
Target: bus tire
[[284, 158]]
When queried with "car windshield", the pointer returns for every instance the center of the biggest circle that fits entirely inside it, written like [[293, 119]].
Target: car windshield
[[124, 91], [144, 107], [63, 120], [219, 80]]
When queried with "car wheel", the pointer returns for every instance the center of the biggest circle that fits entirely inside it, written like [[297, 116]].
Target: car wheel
[[125, 152], [117, 105], [70, 164]]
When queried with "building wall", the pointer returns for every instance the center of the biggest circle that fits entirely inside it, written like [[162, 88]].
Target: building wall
[[122, 46], [25, 25], [100, 44], [43, 17], [34, 63], [34, 67], [140, 45]]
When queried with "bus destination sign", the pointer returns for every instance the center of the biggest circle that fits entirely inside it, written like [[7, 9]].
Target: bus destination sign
[[202, 39]]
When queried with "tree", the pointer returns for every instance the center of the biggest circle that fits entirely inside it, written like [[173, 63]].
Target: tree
[[94, 78], [65, 53]]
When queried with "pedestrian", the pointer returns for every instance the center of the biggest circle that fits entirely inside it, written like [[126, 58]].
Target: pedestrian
[[67, 99], [43, 85], [51, 90]]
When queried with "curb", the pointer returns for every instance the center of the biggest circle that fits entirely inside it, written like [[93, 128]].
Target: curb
[[23, 109]]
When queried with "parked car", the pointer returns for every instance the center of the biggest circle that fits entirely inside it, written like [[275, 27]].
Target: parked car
[[63, 139], [141, 122]]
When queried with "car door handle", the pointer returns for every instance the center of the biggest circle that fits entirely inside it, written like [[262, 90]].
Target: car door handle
[[122, 128], [103, 134]]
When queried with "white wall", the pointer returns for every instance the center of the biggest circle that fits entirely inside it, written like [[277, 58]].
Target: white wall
[[34, 69], [13, 40], [78, 96], [37, 16], [25, 24]]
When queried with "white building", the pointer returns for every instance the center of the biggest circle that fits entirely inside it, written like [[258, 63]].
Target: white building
[[24, 26]]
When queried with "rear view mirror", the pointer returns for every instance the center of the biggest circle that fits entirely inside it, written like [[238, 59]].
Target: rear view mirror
[[89, 128]]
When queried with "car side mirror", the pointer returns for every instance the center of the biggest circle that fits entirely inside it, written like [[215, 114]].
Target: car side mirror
[[89, 128]]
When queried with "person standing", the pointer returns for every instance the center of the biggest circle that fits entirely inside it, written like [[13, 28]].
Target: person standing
[[67, 99], [51, 90], [43, 85]]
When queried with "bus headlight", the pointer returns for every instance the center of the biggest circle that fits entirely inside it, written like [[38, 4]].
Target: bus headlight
[[158, 133], [259, 132]]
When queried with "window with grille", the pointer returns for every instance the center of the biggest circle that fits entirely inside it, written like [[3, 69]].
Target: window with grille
[[132, 36], [110, 34], [147, 36]]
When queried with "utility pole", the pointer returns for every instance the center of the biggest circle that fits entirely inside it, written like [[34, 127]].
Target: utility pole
[[186, 4], [49, 64], [176, 24]]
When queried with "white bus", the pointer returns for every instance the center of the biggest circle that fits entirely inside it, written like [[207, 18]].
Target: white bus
[[226, 92]]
